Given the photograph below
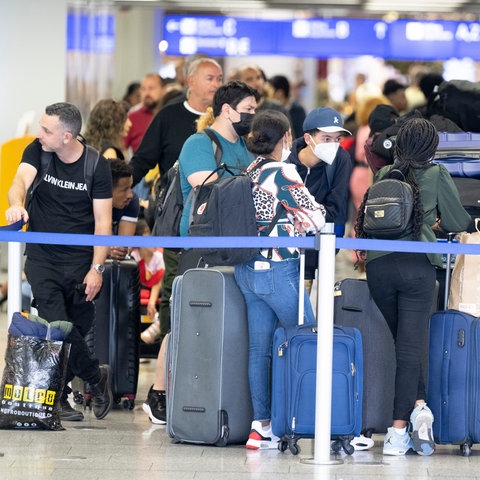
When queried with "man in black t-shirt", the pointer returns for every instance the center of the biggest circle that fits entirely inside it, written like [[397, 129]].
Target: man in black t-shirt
[[66, 201], [161, 145]]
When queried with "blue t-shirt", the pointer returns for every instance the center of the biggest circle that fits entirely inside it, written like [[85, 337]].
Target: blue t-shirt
[[197, 155]]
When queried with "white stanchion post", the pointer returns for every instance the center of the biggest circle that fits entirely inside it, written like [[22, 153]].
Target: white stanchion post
[[14, 279], [323, 401]]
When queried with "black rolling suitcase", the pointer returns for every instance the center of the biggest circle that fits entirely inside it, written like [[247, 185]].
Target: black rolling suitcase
[[114, 336], [355, 307], [208, 396]]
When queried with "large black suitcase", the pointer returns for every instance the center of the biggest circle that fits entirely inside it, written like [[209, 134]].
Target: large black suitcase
[[354, 307], [115, 333], [208, 395]]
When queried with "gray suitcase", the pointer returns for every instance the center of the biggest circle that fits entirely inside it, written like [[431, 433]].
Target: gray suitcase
[[208, 396]]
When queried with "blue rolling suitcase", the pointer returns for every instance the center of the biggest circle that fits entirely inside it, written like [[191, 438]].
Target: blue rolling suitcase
[[454, 380], [294, 386]]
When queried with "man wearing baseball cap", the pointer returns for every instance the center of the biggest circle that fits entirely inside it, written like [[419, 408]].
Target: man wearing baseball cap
[[325, 168]]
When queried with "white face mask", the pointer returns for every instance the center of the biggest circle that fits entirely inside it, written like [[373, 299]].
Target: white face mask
[[325, 151], [285, 153]]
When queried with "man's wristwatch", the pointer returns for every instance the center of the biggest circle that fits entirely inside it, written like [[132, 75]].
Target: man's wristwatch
[[98, 267]]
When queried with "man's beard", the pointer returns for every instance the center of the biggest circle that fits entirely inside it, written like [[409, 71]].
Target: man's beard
[[150, 104]]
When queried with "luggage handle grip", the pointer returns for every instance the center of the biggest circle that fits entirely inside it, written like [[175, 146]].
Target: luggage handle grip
[[198, 303], [352, 309]]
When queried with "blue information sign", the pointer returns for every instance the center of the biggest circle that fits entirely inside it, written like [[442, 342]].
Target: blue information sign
[[320, 38], [324, 38], [219, 36], [91, 33]]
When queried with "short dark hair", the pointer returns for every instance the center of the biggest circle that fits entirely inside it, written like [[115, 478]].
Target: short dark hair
[[268, 127], [120, 169], [232, 93], [280, 82], [68, 115]]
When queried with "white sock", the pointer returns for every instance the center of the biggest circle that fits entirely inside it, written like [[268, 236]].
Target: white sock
[[400, 431]]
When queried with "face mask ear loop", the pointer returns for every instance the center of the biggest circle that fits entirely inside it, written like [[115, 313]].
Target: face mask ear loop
[[312, 149]]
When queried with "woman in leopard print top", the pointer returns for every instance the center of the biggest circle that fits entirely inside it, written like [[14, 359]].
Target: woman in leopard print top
[[270, 280]]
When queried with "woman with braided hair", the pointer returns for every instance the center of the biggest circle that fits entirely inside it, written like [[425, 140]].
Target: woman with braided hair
[[402, 284]]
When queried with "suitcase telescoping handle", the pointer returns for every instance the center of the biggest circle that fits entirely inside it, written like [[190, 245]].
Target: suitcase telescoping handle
[[301, 288], [448, 272]]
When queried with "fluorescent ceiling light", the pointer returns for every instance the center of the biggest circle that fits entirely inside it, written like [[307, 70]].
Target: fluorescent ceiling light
[[414, 5]]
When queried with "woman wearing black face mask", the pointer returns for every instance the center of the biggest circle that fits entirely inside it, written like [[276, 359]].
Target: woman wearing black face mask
[[229, 118]]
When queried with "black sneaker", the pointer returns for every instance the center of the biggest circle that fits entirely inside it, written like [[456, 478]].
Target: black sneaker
[[102, 393], [156, 406], [68, 413]]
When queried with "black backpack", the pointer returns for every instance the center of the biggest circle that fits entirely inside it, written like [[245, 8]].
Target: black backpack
[[388, 208], [168, 207], [225, 208]]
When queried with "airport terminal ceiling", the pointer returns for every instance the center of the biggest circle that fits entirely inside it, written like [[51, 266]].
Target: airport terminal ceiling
[[455, 9]]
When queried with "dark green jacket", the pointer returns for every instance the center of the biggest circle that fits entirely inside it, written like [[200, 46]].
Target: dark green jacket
[[440, 199]]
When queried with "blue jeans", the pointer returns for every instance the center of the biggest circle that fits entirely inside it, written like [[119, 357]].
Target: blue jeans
[[272, 297]]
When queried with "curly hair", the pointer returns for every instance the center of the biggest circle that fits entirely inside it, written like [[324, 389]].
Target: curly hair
[[105, 124], [416, 143]]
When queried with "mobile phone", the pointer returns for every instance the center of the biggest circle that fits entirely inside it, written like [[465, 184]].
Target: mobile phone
[[259, 265]]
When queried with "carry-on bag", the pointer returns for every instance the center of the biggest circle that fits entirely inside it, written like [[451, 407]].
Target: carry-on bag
[[453, 380], [115, 334], [36, 359], [294, 384], [465, 283], [208, 395]]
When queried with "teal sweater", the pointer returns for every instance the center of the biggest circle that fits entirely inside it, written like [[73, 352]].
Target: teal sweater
[[440, 199]]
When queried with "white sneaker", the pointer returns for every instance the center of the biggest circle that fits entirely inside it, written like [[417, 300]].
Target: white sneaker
[[261, 438], [362, 443], [396, 444], [422, 437]]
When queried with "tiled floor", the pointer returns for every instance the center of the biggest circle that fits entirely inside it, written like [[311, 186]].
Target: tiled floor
[[126, 446]]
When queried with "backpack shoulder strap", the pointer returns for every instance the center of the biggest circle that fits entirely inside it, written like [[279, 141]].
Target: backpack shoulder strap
[[217, 146], [45, 159], [91, 161]]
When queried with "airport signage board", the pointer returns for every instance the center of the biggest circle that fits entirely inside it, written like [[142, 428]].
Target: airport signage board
[[319, 37]]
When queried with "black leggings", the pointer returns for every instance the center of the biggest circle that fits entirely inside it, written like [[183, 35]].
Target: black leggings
[[403, 286]]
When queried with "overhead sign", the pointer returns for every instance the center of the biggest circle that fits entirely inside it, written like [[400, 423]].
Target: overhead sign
[[319, 38], [219, 36], [91, 33]]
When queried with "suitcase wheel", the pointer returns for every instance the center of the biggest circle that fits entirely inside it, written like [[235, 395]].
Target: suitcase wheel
[[289, 442], [294, 448], [282, 445], [465, 449], [342, 442], [129, 404], [78, 397], [222, 442]]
